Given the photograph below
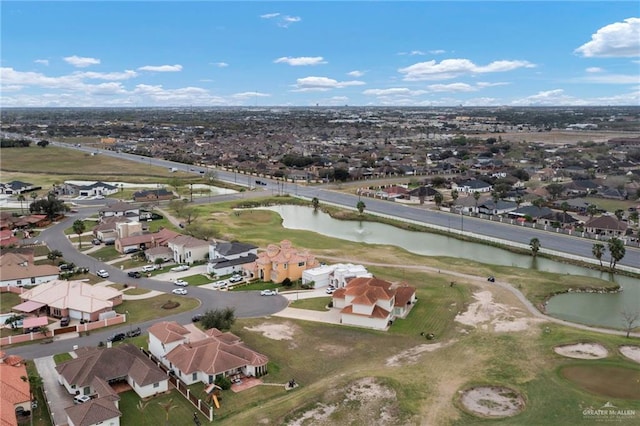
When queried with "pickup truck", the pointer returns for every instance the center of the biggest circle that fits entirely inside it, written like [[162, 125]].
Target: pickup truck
[[134, 332]]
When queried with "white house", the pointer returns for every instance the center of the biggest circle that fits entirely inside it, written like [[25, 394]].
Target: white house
[[122, 210], [337, 275], [96, 188], [373, 303], [17, 270], [187, 249], [228, 257], [471, 186], [204, 357]]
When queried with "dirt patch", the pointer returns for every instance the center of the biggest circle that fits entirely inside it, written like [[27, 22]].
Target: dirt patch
[[365, 401], [631, 352], [170, 304], [487, 314], [582, 351], [334, 349], [284, 331], [492, 401], [412, 355]]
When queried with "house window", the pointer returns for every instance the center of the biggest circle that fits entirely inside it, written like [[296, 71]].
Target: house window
[[194, 376], [210, 378], [301, 264], [156, 385], [285, 265], [33, 280], [19, 283]]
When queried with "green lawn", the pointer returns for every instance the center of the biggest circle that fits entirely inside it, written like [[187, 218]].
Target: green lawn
[[137, 291], [148, 309], [314, 304], [153, 413], [105, 253], [8, 301], [60, 358], [198, 279]]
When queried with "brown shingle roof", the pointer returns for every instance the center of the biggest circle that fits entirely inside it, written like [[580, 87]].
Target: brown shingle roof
[[92, 412], [168, 331]]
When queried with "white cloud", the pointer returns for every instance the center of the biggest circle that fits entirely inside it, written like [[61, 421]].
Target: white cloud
[[42, 61], [80, 62], [288, 20], [451, 68], [322, 84], [549, 98], [249, 95], [355, 73], [221, 64], [161, 68], [453, 87], [107, 75], [594, 69], [301, 61], [437, 52], [394, 91], [620, 39], [270, 15], [612, 79], [412, 53]]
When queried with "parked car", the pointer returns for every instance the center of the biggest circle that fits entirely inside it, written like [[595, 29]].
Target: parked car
[[181, 283], [491, 279], [116, 337], [134, 274], [96, 242], [180, 291], [110, 242], [220, 284], [149, 268], [65, 267], [236, 278], [81, 399], [330, 290], [64, 321], [268, 292], [180, 268], [134, 333], [102, 273], [197, 317], [131, 250]]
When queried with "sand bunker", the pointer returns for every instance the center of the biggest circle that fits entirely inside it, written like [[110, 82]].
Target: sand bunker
[[275, 331], [582, 351], [486, 313], [492, 401], [631, 352]]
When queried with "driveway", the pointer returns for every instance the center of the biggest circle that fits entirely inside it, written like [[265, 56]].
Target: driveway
[[332, 316], [55, 394]]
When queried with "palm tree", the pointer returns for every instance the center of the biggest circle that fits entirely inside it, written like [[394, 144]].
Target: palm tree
[[564, 206], [167, 407], [21, 199], [519, 200], [361, 206], [438, 199], [79, 227], [476, 196], [535, 246], [315, 203], [454, 195], [598, 250], [34, 195], [619, 214], [35, 383], [617, 251], [592, 209]]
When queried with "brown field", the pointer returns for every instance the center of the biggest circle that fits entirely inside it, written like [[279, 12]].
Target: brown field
[[559, 137]]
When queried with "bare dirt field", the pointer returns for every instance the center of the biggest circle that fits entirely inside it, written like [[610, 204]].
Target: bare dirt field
[[559, 137], [275, 331], [631, 352], [492, 401], [583, 351]]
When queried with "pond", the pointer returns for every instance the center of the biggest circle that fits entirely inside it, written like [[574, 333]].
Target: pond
[[592, 309]]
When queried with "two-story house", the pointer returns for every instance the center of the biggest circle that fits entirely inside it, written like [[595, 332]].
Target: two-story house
[[279, 262]]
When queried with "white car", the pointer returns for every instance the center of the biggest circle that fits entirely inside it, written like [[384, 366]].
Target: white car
[[179, 268], [235, 279], [181, 283], [220, 284], [268, 292], [149, 268], [81, 399], [180, 291], [102, 273]]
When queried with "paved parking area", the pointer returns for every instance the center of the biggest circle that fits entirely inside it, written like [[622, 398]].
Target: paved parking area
[[56, 394]]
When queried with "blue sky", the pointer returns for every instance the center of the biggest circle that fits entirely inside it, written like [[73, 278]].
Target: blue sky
[[303, 53]]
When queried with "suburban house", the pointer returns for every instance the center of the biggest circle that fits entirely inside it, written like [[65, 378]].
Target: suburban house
[[122, 210], [533, 212], [335, 275], [606, 225], [32, 221], [107, 229], [499, 207], [279, 262], [187, 249], [94, 189], [153, 195], [202, 357], [7, 238], [228, 257], [373, 303], [18, 269], [93, 373], [16, 187], [565, 220], [471, 186], [15, 393], [146, 241], [73, 299], [421, 194]]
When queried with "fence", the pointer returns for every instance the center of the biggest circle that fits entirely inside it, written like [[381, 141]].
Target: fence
[[204, 408]]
